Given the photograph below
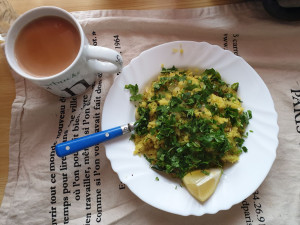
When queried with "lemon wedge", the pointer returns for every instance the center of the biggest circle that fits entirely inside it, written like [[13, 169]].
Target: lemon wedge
[[202, 185]]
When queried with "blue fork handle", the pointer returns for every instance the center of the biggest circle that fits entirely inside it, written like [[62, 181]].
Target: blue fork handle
[[70, 147]]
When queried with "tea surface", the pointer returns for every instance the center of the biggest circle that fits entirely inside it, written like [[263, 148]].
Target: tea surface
[[47, 46]]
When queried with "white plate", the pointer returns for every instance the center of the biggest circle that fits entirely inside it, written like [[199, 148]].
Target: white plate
[[238, 181]]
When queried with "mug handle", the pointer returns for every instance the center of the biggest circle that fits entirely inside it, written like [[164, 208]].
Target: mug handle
[[102, 59]]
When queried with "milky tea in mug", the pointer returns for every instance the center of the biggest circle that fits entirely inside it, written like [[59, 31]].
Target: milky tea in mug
[[47, 46]]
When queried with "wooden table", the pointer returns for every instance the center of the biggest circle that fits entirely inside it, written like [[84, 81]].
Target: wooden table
[[7, 89]]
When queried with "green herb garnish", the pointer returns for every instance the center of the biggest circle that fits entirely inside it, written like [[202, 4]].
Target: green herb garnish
[[134, 89], [189, 129]]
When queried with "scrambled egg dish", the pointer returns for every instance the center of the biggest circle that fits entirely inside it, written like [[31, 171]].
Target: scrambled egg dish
[[188, 120]]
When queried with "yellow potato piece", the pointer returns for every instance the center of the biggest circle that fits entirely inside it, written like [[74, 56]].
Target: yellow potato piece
[[200, 185]]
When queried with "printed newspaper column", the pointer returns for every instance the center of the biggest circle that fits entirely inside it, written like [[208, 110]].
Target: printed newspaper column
[[76, 178]]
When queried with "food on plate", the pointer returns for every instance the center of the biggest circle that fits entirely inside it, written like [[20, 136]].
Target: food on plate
[[189, 120]]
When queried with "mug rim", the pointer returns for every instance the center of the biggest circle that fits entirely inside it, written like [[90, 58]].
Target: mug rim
[[13, 32]]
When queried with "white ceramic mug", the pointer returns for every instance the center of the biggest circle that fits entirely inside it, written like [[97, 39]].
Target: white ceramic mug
[[81, 73]]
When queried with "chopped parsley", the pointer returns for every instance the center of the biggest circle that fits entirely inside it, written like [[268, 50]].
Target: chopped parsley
[[189, 120], [134, 89]]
